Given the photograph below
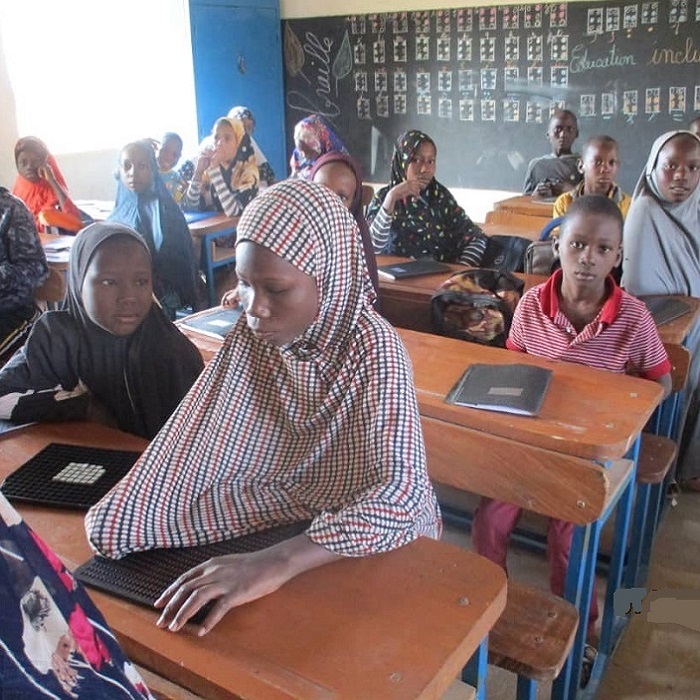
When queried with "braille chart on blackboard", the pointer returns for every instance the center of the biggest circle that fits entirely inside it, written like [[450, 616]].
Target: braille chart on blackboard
[[483, 81]]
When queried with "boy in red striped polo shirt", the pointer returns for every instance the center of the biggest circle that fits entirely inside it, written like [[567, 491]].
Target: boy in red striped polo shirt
[[578, 315]]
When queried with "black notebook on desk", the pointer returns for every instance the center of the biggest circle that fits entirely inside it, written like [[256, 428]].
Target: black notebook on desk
[[664, 309], [216, 322], [412, 268], [518, 389], [142, 577]]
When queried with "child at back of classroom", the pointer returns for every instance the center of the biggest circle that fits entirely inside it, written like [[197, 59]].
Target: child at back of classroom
[[599, 164], [557, 172], [578, 315]]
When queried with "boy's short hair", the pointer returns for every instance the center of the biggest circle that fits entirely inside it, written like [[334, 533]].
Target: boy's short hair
[[596, 204], [564, 113], [599, 140], [170, 136]]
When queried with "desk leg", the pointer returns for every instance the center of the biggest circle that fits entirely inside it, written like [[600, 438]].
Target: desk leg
[[474, 673]]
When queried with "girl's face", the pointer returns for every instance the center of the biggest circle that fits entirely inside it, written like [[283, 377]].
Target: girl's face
[[169, 154], [339, 178], [135, 169], [117, 288], [421, 166], [28, 164], [225, 142], [280, 301], [677, 168]]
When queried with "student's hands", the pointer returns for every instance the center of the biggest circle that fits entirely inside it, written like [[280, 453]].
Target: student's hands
[[203, 163], [402, 192], [45, 172], [544, 188], [236, 579], [230, 299]]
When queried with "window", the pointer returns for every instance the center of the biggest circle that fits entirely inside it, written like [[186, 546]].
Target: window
[[91, 75]]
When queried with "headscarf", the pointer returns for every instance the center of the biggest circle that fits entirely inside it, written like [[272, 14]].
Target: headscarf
[[662, 238], [39, 194], [662, 256], [430, 225], [356, 207], [267, 175], [325, 427], [315, 131], [157, 362], [241, 173], [155, 215]]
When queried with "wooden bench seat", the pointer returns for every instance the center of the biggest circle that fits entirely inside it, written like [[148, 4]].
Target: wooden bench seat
[[534, 634], [656, 457]]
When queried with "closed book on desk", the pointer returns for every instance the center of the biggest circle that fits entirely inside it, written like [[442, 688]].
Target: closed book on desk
[[215, 322], [516, 389], [664, 309], [412, 268]]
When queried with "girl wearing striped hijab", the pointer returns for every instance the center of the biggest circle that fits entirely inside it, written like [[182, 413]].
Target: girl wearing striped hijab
[[307, 412]]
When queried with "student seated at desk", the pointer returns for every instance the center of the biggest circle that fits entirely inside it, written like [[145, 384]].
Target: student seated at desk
[[267, 174], [55, 642], [662, 256], [225, 177], [23, 268], [578, 315], [599, 163], [313, 137], [144, 204], [341, 173], [112, 356], [308, 411], [42, 187], [415, 216], [168, 155], [556, 172]]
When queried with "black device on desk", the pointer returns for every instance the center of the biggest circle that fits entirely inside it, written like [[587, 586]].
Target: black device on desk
[[68, 476]]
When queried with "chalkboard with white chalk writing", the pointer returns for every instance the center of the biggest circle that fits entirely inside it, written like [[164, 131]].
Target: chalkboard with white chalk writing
[[483, 81]]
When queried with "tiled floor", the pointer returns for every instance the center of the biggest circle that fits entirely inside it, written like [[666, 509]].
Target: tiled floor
[[654, 660]]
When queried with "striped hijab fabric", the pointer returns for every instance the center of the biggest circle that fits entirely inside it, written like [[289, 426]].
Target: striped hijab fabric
[[324, 428]]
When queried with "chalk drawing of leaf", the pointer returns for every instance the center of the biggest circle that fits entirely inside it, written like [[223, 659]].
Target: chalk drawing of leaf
[[342, 65], [293, 51]]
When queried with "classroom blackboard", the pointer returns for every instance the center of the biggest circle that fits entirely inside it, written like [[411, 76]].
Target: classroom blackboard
[[483, 81]]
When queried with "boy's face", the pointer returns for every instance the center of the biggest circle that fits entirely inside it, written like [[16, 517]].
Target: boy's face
[[169, 154], [562, 133], [280, 301], [135, 169], [117, 288], [599, 167], [589, 247], [677, 168]]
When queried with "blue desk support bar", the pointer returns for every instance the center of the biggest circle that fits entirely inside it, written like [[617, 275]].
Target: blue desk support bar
[[209, 264], [475, 671], [580, 584]]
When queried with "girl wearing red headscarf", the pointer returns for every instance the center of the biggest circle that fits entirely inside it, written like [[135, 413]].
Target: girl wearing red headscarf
[[41, 186]]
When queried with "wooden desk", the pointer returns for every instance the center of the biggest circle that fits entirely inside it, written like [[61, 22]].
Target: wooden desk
[[97, 209], [505, 223], [525, 204], [57, 249], [406, 303], [397, 625], [675, 332]]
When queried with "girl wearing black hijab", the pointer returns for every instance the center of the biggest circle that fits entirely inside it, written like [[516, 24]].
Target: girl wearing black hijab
[[112, 355]]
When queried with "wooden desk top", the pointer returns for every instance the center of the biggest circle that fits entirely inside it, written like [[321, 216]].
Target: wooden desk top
[[525, 204], [675, 332], [397, 625], [587, 413], [213, 224], [531, 231]]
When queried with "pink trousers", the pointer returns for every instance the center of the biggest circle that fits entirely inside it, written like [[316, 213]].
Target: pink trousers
[[493, 523]]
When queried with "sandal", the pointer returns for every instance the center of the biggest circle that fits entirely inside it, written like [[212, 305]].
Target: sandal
[[589, 656]]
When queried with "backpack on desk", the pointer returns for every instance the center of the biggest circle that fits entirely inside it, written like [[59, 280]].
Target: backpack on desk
[[505, 253], [476, 305]]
